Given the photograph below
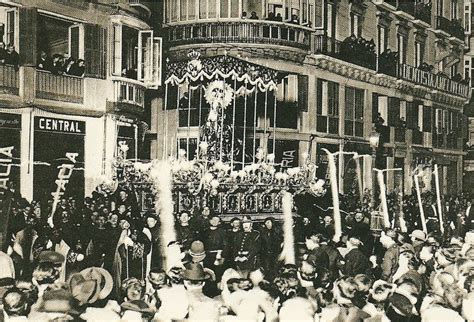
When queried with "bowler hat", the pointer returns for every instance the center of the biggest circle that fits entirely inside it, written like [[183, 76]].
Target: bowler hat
[[246, 219], [195, 272], [197, 251]]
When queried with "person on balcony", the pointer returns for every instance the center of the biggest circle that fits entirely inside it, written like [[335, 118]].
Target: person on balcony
[[253, 16], [279, 17], [244, 15], [78, 68], [44, 62], [3, 52], [12, 57], [56, 67]]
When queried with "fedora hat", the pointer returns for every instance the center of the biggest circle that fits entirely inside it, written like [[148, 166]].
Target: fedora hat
[[195, 272], [103, 279]]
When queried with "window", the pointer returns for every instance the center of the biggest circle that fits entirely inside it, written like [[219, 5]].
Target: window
[[426, 119], [393, 111], [331, 21], [439, 8], [117, 50], [381, 39], [439, 121], [288, 91], [76, 41], [10, 34], [419, 53], [327, 107], [402, 49], [454, 9], [356, 29], [149, 59], [454, 70], [467, 18], [354, 112]]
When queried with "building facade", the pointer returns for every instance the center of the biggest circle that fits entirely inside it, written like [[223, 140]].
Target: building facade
[[351, 67], [46, 113], [468, 175]]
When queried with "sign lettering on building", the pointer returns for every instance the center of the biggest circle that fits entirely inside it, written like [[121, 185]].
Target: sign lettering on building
[[6, 158], [50, 124]]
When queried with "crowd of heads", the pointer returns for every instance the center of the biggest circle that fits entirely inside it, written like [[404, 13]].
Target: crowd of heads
[[61, 64], [102, 259]]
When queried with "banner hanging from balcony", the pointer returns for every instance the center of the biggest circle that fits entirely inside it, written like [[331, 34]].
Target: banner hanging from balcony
[[224, 66]]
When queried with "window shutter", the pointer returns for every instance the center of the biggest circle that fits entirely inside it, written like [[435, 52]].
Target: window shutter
[[410, 115], [28, 22], [319, 97], [393, 111], [383, 108], [303, 93], [95, 50], [375, 106], [427, 119]]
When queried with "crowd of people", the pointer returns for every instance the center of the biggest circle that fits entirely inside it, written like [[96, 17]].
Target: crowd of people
[[61, 64], [102, 260]]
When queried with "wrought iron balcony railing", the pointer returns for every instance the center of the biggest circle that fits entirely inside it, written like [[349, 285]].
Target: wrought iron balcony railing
[[240, 31]]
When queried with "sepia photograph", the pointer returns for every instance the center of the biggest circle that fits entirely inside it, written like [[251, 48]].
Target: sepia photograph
[[236, 160]]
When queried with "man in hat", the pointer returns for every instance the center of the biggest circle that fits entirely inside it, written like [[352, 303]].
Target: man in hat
[[184, 231], [390, 259], [418, 238], [355, 261], [201, 307], [247, 247]]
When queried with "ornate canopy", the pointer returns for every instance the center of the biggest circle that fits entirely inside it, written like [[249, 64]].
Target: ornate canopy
[[223, 66]]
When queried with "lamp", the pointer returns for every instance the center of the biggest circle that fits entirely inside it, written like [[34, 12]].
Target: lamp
[[374, 141]]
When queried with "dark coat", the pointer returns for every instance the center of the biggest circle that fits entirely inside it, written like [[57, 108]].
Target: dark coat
[[356, 262]]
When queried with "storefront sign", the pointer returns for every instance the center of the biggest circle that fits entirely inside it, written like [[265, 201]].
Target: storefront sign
[[10, 121], [66, 153], [50, 124], [6, 158], [10, 130], [287, 153]]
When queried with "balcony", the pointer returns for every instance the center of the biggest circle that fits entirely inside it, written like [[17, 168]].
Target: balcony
[[241, 31], [451, 27], [358, 51], [129, 95], [59, 88], [9, 80], [436, 82], [420, 11]]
